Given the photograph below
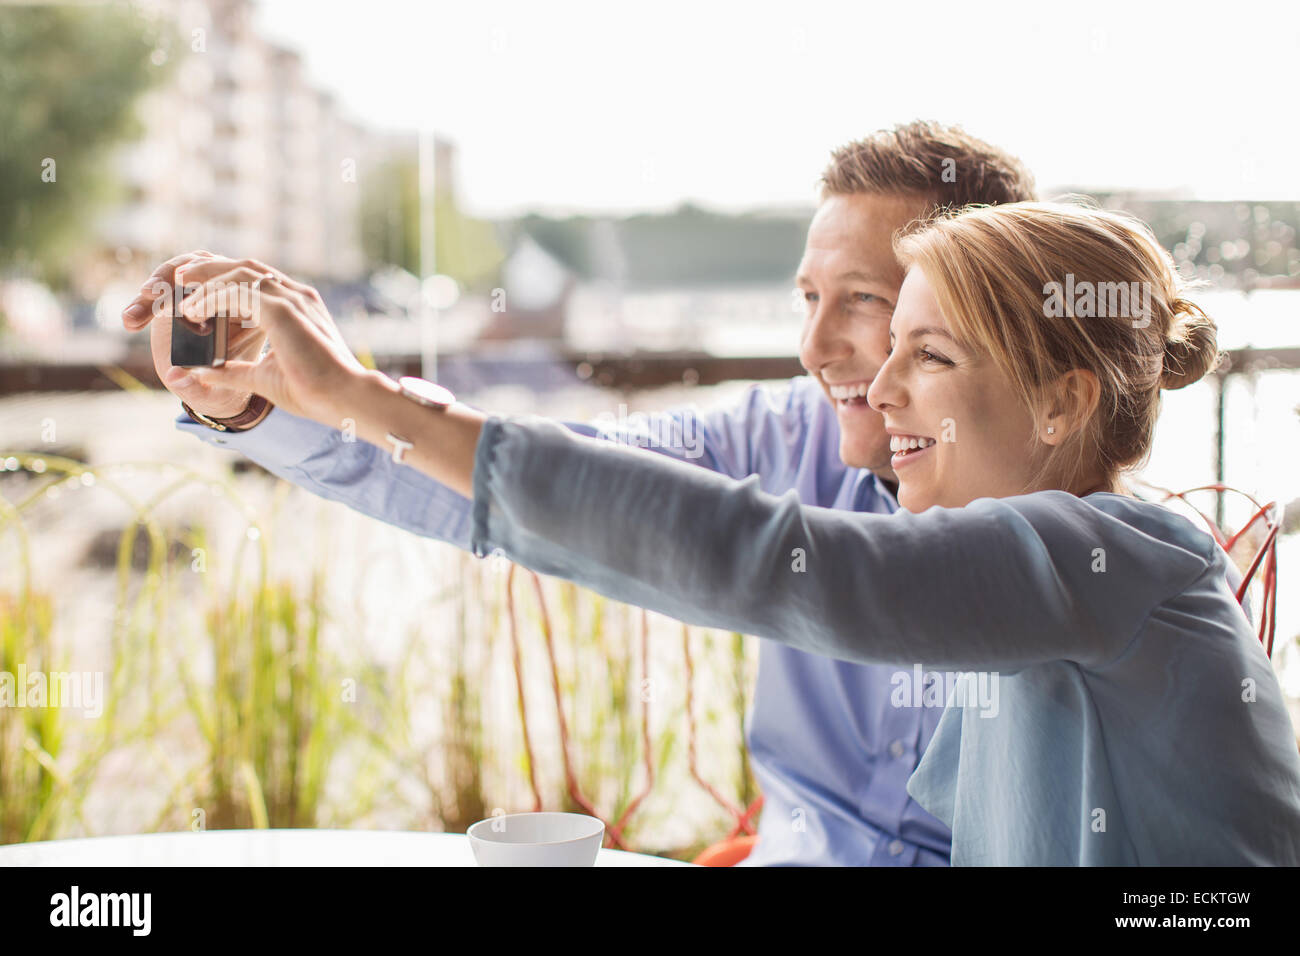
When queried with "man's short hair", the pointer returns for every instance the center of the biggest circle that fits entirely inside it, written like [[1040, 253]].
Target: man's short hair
[[929, 160]]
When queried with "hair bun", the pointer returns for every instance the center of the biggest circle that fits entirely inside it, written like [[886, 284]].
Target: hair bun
[[1191, 347]]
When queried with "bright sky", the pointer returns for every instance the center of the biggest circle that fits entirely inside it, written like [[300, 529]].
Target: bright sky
[[617, 106]]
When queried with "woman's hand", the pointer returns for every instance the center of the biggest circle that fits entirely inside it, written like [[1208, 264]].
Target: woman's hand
[[308, 366], [152, 307]]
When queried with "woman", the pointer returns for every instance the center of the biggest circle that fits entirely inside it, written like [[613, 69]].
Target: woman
[[1138, 719]]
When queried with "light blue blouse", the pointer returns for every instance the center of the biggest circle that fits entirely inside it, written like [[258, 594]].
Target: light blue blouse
[[1124, 712]]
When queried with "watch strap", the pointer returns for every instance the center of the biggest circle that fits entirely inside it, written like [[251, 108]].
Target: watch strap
[[258, 408]]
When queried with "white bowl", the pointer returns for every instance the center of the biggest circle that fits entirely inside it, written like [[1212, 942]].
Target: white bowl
[[537, 839]]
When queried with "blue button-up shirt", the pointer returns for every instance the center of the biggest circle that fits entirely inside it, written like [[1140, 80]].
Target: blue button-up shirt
[[830, 750]]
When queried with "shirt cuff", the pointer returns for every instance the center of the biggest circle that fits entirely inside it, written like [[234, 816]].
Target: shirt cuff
[[484, 453]]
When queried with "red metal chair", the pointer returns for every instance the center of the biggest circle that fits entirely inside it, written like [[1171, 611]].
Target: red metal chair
[[1264, 560], [727, 852]]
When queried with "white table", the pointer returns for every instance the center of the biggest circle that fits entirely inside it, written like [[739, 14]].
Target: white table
[[273, 848]]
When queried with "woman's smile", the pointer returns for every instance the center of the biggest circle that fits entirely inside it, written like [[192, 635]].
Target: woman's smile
[[906, 449]]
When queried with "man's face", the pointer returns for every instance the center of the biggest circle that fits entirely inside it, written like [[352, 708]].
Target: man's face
[[850, 282]]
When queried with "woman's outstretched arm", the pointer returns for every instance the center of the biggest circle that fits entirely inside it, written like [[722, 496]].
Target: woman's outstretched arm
[[998, 584]]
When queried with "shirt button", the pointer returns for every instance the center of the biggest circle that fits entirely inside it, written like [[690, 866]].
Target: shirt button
[[219, 441], [895, 847], [896, 748]]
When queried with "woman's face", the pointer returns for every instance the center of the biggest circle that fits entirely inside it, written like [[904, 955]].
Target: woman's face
[[957, 428]]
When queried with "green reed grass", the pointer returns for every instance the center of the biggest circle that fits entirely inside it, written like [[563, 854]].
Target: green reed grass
[[31, 738], [225, 686], [271, 718]]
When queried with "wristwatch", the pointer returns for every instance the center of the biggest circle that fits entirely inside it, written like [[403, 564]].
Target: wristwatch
[[422, 392], [258, 408]]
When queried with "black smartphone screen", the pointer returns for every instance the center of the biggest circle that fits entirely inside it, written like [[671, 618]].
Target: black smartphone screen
[[189, 345], [192, 347]]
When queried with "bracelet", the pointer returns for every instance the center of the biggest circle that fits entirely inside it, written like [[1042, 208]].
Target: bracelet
[[258, 408]]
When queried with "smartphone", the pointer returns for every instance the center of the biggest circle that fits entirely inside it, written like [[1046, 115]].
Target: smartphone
[[190, 346]]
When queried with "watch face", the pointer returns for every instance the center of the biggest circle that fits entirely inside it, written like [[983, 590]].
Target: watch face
[[426, 392]]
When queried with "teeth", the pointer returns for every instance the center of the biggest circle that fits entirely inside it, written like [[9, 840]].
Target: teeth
[[842, 392], [899, 443]]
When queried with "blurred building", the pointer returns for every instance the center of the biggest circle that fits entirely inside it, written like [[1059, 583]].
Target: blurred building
[[240, 155], [533, 300]]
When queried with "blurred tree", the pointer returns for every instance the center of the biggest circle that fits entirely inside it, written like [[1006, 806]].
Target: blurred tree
[[68, 78], [466, 248]]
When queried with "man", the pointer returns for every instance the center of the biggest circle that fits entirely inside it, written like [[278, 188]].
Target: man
[[831, 752]]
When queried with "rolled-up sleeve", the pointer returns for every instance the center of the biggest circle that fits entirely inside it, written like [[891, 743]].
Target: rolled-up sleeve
[[1000, 583]]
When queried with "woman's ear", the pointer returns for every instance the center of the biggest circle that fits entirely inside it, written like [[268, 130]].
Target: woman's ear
[[1073, 401]]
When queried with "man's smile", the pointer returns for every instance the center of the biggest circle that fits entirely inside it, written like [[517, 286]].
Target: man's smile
[[850, 395]]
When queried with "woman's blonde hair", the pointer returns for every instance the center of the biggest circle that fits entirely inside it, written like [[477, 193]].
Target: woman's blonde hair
[[1044, 288]]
